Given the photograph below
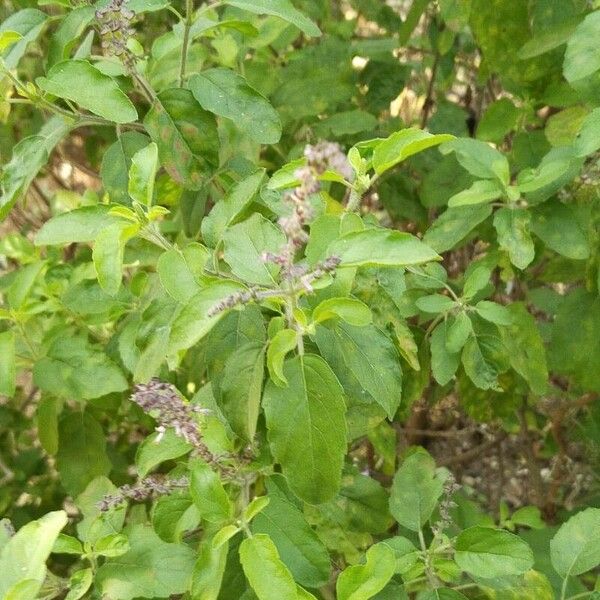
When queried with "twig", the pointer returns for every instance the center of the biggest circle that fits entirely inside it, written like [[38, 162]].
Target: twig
[[474, 452]]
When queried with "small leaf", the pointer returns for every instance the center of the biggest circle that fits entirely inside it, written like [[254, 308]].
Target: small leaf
[[436, 303], [480, 371], [108, 255], [283, 9], [494, 313], [79, 225], [267, 575], [416, 490], [157, 448], [480, 192], [23, 558], [8, 369], [227, 94], [350, 310], [361, 582], [208, 493], [244, 245], [514, 237], [283, 341], [489, 553], [380, 247], [255, 507], [144, 164], [80, 82], [575, 549], [444, 364], [403, 144], [479, 158], [179, 271], [209, 569], [79, 583], [458, 332], [582, 57]]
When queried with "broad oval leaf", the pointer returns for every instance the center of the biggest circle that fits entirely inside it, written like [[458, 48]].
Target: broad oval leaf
[[575, 548], [380, 247], [361, 582], [306, 427], [227, 94], [186, 136], [582, 57], [265, 571], [82, 83], [489, 553]]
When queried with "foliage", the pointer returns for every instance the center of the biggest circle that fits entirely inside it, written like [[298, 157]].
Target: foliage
[[284, 225]]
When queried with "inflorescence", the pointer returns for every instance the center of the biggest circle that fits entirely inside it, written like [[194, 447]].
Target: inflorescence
[[145, 489], [115, 30]]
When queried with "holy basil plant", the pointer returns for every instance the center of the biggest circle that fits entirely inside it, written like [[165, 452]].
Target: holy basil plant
[[245, 245]]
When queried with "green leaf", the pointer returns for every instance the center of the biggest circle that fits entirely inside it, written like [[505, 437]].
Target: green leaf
[[306, 427], [47, 424], [298, 545], [575, 549], [361, 582], [477, 279], [186, 136], [28, 22], [458, 332], [227, 94], [23, 558], [444, 364], [279, 8], [69, 30], [557, 226], [477, 366], [227, 210], [403, 144], [479, 158], [480, 192], [144, 164], [588, 138], [512, 227], [76, 370], [453, 226], [500, 118], [241, 388], [283, 341], [208, 493], [575, 342], [494, 313], [81, 452], [269, 577], [435, 303], [416, 490], [443, 594], [116, 161], [79, 225], [151, 569], [365, 356], [79, 583], [180, 270], [548, 39], [195, 319], [80, 82], [8, 368], [108, 255], [209, 570], [350, 310], [380, 247], [28, 157], [244, 245], [489, 553], [157, 448], [582, 57]]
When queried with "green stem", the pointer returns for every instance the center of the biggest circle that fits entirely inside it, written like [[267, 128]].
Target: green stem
[[189, 19], [431, 578]]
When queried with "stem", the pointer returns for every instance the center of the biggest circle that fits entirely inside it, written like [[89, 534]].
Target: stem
[[431, 578], [563, 592], [189, 14], [354, 200]]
